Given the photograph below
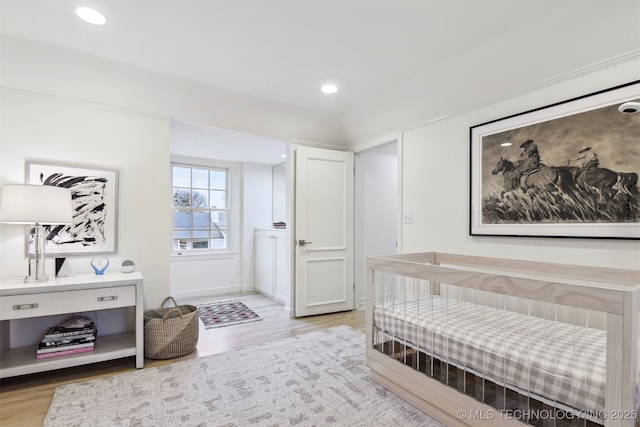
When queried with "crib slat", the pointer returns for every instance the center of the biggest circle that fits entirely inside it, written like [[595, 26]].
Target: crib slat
[[613, 389]]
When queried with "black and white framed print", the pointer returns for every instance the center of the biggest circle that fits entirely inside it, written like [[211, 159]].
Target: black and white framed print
[[94, 194], [565, 170]]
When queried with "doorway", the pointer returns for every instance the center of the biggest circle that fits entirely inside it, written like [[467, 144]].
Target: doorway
[[376, 209], [250, 160]]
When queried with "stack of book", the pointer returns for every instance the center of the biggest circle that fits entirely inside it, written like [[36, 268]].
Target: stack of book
[[62, 341]]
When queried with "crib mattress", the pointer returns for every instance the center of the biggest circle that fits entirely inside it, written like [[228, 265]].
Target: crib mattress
[[559, 361]]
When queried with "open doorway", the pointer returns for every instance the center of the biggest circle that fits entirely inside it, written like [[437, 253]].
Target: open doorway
[[249, 161], [376, 209]]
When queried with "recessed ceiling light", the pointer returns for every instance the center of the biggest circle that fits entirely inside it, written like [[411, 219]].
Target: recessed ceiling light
[[283, 156], [329, 88], [631, 107], [506, 144], [91, 16]]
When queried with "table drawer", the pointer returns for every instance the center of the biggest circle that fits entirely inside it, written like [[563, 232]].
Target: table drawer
[[44, 304]]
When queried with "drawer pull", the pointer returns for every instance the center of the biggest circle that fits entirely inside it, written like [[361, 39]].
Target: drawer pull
[[110, 298], [25, 306]]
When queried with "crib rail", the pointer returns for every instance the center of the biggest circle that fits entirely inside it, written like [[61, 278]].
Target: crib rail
[[575, 301], [601, 289]]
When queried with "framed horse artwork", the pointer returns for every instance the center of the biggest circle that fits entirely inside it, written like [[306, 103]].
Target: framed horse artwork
[[568, 169]]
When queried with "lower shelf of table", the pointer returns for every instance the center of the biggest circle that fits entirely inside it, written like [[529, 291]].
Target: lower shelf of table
[[23, 361]]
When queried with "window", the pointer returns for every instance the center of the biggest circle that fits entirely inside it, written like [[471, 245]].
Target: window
[[200, 208]]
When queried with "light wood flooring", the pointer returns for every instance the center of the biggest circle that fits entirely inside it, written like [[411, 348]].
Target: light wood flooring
[[24, 400]]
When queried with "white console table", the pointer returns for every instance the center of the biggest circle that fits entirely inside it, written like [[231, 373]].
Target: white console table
[[68, 295]]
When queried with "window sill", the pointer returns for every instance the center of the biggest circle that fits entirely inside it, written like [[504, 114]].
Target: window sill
[[206, 256]]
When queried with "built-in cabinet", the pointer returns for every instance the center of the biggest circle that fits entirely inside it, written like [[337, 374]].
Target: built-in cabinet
[[271, 271]]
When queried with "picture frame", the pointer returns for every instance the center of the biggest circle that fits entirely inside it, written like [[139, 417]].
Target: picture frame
[[95, 208], [568, 169]]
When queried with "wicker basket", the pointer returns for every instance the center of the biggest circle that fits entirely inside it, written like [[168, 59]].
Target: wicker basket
[[170, 332]]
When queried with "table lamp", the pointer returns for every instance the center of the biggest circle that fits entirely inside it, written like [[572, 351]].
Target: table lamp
[[36, 206]]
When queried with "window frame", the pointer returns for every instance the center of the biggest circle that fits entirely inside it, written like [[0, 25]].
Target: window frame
[[231, 170]]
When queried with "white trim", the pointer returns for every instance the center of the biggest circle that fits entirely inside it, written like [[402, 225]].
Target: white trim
[[234, 189], [207, 292], [399, 228], [89, 104], [317, 144], [201, 161], [385, 139], [186, 256]]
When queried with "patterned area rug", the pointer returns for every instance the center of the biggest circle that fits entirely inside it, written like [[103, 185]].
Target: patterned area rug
[[315, 379], [225, 313]]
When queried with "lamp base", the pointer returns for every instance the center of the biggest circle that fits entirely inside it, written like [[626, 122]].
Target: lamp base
[[36, 279], [38, 257], [36, 270]]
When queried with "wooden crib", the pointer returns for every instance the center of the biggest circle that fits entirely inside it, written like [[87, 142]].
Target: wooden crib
[[482, 341]]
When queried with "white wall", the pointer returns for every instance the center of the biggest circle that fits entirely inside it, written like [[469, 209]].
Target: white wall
[[206, 275], [435, 179], [279, 191], [257, 213], [34, 127], [376, 209]]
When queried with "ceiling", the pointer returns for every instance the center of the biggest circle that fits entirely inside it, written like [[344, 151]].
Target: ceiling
[[281, 51], [194, 140], [396, 62]]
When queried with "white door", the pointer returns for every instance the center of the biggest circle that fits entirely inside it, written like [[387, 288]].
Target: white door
[[323, 231]]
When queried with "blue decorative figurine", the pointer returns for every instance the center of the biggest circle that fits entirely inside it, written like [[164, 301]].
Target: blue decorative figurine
[[99, 265]]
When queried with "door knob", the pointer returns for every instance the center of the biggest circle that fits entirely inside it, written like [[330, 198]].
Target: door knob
[[303, 242]]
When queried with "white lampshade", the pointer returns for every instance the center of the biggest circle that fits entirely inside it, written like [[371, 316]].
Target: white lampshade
[[31, 204]]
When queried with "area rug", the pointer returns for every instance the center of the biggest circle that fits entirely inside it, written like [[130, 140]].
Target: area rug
[[225, 313], [314, 379]]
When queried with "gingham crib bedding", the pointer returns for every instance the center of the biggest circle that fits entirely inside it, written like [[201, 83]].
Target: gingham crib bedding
[[558, 361]]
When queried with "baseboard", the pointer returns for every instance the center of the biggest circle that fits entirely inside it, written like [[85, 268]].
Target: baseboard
[[289, 311], [206, 292]]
